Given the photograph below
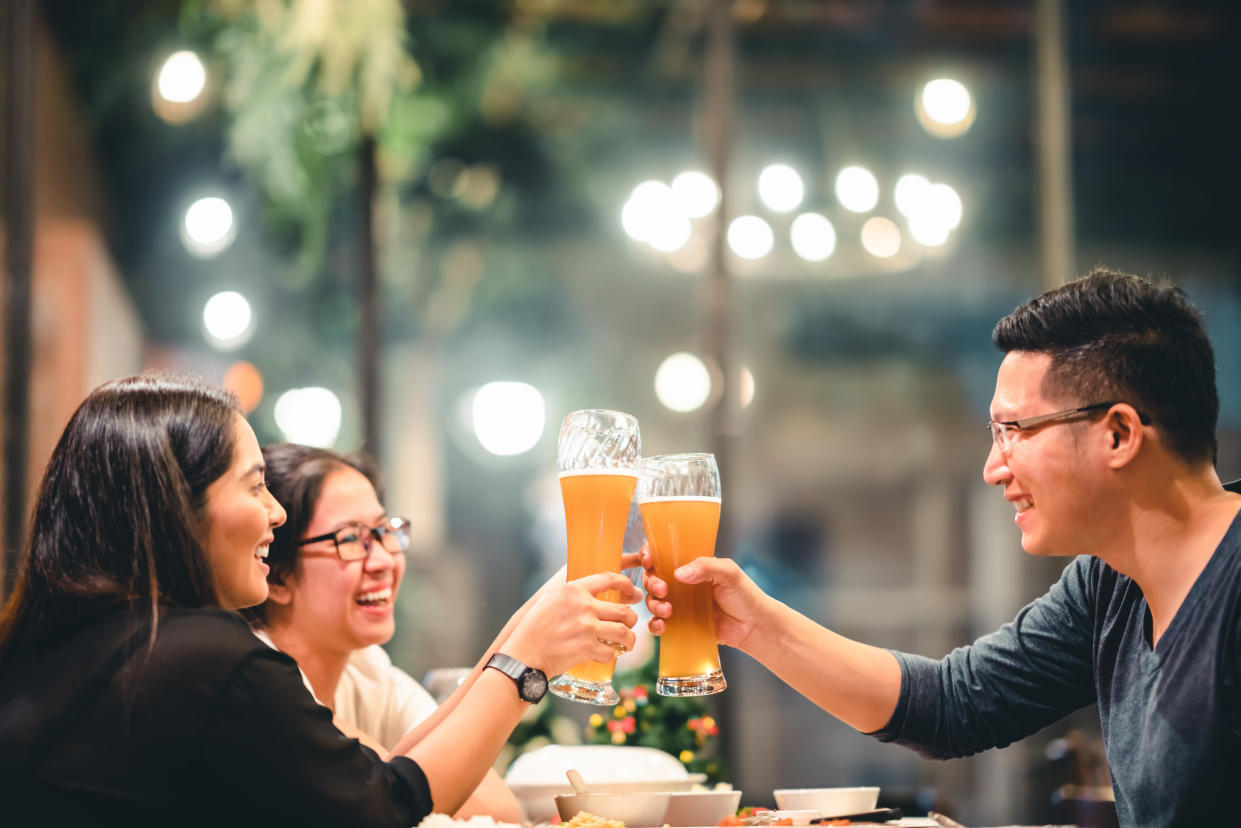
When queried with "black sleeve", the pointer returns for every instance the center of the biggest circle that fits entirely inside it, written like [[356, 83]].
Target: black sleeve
[[1006, 685], [269, 749]]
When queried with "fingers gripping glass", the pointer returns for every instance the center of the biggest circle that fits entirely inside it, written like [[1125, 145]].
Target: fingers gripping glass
[[1002, 431], [353, 542]]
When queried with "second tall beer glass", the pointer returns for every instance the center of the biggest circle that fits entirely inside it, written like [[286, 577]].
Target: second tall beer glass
[[679, 497], [597, 457]]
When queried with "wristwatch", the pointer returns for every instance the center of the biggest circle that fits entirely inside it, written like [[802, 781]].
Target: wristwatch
[[531, 682]]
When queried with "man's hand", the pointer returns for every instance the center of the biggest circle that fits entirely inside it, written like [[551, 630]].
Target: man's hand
[[738, 600]]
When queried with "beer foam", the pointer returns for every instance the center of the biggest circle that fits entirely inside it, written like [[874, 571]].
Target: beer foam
[[682, 498], [600, 472]]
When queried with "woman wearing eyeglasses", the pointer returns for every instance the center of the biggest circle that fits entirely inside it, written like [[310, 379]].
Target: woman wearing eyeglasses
[[336, 568], [132, 694]]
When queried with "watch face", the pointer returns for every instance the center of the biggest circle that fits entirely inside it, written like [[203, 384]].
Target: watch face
[[533, 685]]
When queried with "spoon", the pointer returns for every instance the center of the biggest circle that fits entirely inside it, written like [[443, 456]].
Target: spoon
[[575, 779]]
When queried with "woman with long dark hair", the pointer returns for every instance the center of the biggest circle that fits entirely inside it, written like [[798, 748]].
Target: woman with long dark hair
[[131, 693]]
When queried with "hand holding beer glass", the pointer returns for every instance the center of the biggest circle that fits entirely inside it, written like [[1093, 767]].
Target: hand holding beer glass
[[597, 457], [679, 497]]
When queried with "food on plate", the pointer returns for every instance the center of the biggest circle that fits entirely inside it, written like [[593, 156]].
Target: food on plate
[[585, 819], [750, 815]]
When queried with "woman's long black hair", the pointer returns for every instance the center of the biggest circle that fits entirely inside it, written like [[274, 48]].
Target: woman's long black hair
[[120, 512]]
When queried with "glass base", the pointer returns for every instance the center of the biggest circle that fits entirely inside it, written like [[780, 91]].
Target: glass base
[[701, 685], [591, 692]]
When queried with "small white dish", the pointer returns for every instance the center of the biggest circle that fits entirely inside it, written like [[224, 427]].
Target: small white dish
[[690, 808], [797, 816], [828, 801]]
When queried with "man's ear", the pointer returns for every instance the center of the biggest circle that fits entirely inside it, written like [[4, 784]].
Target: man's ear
[[1125, 434], [279, 592]]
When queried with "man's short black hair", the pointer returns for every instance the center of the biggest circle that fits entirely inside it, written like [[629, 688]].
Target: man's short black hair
[[1115, 337]]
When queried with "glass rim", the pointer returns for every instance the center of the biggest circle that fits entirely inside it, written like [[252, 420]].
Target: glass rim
[[683, 457], [619, 414]]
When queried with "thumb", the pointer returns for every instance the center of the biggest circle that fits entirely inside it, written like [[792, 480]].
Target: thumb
[[604, 581], [701, 570]]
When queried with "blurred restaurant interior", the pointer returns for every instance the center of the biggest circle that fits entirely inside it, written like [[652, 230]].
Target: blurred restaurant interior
[[431, 228]]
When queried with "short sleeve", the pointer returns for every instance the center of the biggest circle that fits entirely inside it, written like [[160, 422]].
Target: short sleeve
[[380, 698]]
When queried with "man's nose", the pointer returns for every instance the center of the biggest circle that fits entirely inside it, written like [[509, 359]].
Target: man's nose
[[995, 471]]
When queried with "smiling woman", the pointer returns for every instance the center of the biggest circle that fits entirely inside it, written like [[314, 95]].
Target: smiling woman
[[131, 694], [336, 569]]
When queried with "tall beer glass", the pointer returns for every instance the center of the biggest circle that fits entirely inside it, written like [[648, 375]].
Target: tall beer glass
[[597, 456], [679, 497]]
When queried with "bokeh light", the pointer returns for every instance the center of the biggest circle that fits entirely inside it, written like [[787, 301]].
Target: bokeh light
[[682, 382], [747, 387], [944, 202], [857, 190], [208, 227], [226, 319], [881, 237], [927, 230], [508, 417], [780, 188], [310, 416], [945, 108], [911, 193], [653, 215], [181, 78], [245, 380], [696, 193], [813, 237], [750, 237]]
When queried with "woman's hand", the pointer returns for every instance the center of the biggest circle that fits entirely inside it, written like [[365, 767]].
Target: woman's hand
[[738, 600], [570, 624]]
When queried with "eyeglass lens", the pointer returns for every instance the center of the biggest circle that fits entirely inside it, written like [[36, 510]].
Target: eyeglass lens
[[355, 542]]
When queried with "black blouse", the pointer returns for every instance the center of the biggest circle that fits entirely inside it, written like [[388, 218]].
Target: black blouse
[[212, 727]]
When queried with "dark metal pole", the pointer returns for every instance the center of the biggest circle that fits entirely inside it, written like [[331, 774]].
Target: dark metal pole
[[368, 300], [19, 246], [718, 287]]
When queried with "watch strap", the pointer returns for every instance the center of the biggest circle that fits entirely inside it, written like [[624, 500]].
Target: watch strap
[[507, 665]]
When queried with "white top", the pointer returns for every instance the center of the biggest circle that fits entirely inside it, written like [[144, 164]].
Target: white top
[[375, 696]]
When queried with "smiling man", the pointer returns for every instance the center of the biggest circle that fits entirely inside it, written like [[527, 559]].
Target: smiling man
[[1103, 426]]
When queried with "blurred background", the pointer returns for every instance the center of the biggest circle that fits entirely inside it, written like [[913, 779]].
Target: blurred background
[[780, 230]]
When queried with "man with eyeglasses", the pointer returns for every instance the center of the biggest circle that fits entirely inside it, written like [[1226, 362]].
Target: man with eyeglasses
[[1103, 439]]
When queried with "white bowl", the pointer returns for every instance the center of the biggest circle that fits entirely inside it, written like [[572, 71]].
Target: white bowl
[[686, 808], [538, 776], [596, 763], [636, 810], [827, 801]]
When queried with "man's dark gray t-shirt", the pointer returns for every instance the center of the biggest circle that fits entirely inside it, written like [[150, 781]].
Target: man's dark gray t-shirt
[[1171, 716]]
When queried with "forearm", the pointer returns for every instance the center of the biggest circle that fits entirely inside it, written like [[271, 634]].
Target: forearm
[[424, 727], [457, 755], [494, 799], [857, 683]]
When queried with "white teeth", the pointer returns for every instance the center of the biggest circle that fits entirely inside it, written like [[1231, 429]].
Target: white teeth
[[262, 552], [1023, 504], [376, 596]]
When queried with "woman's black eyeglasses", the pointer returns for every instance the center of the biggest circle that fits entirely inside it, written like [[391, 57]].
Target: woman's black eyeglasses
[[353, 542]]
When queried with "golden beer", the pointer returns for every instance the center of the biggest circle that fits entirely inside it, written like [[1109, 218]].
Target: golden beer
[[680, 529], [596, 507]]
